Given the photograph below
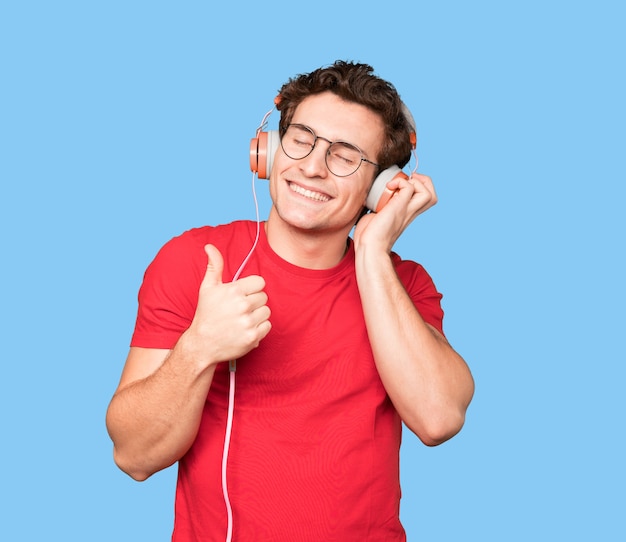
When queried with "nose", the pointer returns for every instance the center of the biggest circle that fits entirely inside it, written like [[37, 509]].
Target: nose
[[314, 165]]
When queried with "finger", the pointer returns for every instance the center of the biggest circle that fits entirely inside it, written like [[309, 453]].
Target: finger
[[215, 265], [423, 180], [423, 185], [261, 315], [250, 285], [407, 188], [264, 328], [256, 300]]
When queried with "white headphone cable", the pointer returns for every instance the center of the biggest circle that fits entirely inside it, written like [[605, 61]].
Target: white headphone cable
[[414, 153], [232, 365]]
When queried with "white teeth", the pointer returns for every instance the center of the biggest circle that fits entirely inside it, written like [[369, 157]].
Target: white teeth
[[308, 193]]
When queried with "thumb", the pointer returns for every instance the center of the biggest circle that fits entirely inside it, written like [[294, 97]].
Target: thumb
[[215, 265]]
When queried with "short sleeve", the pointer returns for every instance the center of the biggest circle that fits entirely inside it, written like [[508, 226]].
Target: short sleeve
[[422, 290], [169, 293]]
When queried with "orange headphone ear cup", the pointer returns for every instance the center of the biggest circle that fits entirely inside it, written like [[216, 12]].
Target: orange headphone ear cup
[[262, 151], [379, 194]]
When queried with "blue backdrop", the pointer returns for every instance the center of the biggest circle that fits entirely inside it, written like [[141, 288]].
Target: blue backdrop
[[124, 123]]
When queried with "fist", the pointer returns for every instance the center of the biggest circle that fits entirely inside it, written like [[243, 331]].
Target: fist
[[231, 318]]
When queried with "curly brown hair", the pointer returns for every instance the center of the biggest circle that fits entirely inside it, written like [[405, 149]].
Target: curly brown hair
[[354, 82]]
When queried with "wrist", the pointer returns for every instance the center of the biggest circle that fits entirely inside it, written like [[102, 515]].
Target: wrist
[[372, 261], [194, 353]]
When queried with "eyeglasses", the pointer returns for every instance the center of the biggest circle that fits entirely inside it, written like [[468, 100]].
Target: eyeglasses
[[342, 159]]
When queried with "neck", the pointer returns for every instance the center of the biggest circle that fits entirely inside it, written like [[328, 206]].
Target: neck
[[305, 248]]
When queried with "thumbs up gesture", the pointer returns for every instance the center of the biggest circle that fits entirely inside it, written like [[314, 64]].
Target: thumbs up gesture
[[231, 318]]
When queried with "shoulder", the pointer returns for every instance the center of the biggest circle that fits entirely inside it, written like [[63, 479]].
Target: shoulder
[[180, 253], [192, 241], [183, 258]]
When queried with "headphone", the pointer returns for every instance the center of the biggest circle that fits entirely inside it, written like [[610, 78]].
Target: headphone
[[264, 146]]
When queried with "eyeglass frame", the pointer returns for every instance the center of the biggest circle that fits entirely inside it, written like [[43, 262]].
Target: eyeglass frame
[[330, 144]]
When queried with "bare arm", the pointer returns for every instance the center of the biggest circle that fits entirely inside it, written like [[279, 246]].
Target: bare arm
[[428, 382], [154, 415]]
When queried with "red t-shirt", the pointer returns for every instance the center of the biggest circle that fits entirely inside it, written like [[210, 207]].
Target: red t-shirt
[[314, 451]]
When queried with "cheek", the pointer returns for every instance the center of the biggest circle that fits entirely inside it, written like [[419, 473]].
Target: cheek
[[356, 188], [366, 187]]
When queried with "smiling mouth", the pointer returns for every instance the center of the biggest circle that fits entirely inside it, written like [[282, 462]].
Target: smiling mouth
[[316, 196]]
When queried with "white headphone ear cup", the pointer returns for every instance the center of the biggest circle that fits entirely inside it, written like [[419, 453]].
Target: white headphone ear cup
[[379, 194], [273, 142]]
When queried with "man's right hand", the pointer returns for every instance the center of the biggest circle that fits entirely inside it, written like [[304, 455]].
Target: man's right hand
[[231, 318]]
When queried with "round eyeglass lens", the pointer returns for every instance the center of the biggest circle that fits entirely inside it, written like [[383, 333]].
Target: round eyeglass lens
[[342, 159]]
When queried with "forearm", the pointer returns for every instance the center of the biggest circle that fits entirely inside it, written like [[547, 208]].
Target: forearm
[[154, 420], [428, 382]]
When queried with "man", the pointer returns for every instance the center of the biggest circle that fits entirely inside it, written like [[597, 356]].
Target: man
[[336, 339]]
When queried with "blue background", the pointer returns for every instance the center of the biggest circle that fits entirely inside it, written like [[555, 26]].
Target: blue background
[[123, 124]]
